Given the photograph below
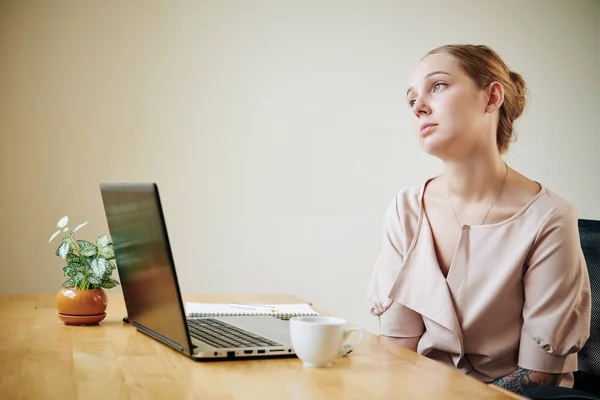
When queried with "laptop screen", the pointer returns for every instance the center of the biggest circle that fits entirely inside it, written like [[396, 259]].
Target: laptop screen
[[144, 261]]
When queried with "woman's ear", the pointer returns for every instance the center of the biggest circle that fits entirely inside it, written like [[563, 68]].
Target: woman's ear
[[495, 97]]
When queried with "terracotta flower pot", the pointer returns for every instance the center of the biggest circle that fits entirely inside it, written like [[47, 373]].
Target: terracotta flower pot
[[81, 307]]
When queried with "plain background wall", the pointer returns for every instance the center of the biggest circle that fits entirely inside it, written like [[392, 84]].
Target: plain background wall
[[277, 131]]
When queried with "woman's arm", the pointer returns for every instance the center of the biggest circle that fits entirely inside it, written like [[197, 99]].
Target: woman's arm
[[524, 378], [556, 307], [397, 322], [408, 342]]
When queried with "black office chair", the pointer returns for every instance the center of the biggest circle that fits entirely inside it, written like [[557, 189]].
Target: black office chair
[[587, 379]]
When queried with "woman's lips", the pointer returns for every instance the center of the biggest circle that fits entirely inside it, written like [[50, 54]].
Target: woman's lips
[[426, 128]]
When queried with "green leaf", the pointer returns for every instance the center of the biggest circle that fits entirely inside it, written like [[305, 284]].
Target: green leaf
[[108, 252], [111, 267], [53, 235], [105, 247], [78, 227], [74, 261], [69, 271], [94, 280], [102, 241], [62, 222], [59, 246], [109, 283], [81, 262], [87, 249], [99, 266], [109, 270], [69, 283], [77, 265], [63, 249], [78, 276]]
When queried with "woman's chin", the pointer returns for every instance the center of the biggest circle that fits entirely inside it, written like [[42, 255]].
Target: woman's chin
[[433, 147]]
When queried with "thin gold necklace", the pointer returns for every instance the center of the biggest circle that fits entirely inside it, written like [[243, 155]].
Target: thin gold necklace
[[491, 205]]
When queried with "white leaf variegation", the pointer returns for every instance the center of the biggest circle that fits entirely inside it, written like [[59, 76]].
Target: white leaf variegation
[[94, 280], [53, 236], [62, 222], [86, 248], [78, 227], [102, 241], [99, 266], [108, 252], [63, 250]]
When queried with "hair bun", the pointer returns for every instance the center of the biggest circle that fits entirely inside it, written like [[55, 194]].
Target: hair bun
[[519, 101], [518, 81]]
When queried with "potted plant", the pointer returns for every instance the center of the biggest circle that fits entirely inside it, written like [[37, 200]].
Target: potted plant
[[82, 300]]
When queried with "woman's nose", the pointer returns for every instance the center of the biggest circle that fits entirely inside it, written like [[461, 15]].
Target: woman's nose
[[420, 107]]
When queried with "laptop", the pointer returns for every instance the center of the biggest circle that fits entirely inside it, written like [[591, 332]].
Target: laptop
[[151, 290]]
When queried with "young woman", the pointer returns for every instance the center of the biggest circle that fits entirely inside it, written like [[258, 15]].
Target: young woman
[[481, 267]]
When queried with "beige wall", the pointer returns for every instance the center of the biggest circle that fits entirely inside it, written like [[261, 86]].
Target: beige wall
[[276, 130]]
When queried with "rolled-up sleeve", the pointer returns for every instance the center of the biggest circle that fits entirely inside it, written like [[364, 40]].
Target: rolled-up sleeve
[[395, 319], [557, 307]]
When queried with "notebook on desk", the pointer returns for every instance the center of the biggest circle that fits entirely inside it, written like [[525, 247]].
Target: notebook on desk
[[281, 311]]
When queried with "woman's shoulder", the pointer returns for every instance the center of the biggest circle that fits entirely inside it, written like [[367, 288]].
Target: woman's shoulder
[[406, 204], [410, 196], [542, 214], [536, 198], [552, 207]]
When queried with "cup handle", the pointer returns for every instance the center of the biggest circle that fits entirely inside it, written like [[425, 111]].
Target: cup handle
[[347, 347]]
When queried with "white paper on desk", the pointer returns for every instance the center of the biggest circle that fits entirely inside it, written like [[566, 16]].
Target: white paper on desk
[[284, 311]]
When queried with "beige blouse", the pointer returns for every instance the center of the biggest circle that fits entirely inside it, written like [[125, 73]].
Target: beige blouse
[[517, 292]]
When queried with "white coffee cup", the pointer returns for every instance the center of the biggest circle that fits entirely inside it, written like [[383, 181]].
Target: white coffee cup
[[318, 340]]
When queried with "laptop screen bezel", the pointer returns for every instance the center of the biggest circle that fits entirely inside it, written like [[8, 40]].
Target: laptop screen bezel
[[106, 188]]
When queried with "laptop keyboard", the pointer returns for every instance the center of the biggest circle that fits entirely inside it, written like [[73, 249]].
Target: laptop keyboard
[[222, 335]]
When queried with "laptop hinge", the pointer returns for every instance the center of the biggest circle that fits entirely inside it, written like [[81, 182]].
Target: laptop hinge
[[158, 336]]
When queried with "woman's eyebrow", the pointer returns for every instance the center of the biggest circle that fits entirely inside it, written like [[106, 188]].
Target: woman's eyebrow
[[410, 89]]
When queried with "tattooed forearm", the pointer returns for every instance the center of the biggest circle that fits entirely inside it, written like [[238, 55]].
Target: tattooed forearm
[[523, 378]]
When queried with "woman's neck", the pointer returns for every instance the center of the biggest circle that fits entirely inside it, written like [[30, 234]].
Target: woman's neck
[[475, 179]]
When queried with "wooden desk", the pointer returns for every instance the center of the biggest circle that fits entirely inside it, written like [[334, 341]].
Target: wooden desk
[[41, 358]]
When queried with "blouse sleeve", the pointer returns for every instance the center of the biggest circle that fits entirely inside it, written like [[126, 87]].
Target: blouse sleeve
[[557, 307], [395, 319]]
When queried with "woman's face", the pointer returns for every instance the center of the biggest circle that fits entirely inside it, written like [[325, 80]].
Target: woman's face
[[449, 110]]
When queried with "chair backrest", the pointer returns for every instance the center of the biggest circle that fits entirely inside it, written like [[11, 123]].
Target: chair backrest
[[589, 356]]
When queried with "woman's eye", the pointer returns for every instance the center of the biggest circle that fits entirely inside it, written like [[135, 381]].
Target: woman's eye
[[411, 103], [438, 86]]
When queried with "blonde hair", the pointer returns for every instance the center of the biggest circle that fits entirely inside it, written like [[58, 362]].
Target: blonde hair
[[485, 66]]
